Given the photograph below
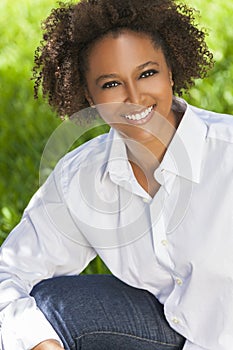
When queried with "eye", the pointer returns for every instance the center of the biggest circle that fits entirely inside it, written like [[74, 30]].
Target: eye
[[148, 73], [110, 84]]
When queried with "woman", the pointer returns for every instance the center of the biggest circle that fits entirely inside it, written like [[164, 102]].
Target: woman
[[147, 197]]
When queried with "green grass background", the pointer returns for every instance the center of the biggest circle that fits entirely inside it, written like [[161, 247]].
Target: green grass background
[[26, 124]]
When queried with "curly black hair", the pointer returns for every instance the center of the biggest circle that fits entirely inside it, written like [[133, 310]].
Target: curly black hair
[[71, 29]]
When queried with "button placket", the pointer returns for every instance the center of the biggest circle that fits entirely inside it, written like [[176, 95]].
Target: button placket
[[161, 244]]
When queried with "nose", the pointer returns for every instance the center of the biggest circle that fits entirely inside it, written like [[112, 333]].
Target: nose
[[133, 94]]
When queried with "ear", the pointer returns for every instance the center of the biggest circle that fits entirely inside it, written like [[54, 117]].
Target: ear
[[170, 78], [89, 98]]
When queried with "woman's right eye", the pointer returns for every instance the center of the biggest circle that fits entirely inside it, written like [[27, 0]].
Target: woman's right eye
[[110, 84]]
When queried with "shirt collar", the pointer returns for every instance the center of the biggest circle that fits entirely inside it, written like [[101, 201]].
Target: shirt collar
[[117, 165], [184, 154]]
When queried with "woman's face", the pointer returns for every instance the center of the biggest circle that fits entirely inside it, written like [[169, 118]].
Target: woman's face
[[129, 70]]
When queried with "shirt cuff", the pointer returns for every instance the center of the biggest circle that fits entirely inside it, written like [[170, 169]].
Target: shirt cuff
[[24, 326], [190, 346]]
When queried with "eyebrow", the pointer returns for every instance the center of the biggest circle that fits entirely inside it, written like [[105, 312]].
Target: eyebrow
[[106, 76], [149, 63], [114, 76]]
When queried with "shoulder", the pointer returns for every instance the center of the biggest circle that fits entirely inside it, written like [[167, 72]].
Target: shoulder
[[91, 148], [84, 159], [84, 155], [219, 126]]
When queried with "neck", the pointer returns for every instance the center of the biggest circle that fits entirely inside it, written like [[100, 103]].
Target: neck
[[149, 153], [145, 157]]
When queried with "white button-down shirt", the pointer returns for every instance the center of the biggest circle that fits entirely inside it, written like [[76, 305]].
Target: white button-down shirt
[[177, 245]]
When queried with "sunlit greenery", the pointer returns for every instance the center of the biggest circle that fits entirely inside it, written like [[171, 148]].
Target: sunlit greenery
[[216, 92], [26, 124]]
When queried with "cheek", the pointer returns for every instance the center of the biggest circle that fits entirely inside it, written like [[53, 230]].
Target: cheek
[[116, 94], [159, 86], [107, 95], [109, 112]]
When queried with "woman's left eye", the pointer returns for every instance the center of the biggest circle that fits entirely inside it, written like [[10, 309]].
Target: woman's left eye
[[148, 73], [110, 84]]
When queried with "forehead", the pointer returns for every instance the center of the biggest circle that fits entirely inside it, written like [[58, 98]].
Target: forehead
[[125, 48]]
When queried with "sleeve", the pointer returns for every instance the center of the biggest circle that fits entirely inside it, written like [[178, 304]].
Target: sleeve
[[38, 248], [190, 346]]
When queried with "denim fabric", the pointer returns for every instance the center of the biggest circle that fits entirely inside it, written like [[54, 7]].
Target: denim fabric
[[99, 312]]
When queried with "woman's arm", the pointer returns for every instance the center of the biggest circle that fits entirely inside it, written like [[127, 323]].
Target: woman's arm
[[35, 250]]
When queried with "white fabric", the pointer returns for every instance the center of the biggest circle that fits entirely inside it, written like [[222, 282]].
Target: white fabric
[[177, 245]]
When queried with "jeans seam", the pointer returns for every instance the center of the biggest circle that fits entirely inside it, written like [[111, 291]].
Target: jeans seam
[[128, 335]]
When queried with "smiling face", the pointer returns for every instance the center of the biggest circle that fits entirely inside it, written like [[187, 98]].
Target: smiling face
[[128, 69]]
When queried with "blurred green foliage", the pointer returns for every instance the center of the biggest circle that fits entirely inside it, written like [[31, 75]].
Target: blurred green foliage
[[216, 91], [26, 124]]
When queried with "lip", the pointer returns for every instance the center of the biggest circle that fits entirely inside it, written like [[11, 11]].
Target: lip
[[143, 120]]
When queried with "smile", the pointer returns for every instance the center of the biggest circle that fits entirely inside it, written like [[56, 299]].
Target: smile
[[139, 116]]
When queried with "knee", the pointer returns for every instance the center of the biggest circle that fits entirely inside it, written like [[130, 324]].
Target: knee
[[44, 295], [67, 294]]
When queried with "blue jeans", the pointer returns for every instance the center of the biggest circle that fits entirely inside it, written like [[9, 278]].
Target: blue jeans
[[99, 312]]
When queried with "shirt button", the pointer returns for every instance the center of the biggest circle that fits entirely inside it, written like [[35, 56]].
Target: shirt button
[[179, 281], [175, 320], [145, 200], [164, 242]]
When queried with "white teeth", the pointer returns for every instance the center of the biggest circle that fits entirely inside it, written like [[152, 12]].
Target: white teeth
[[139, 116]]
